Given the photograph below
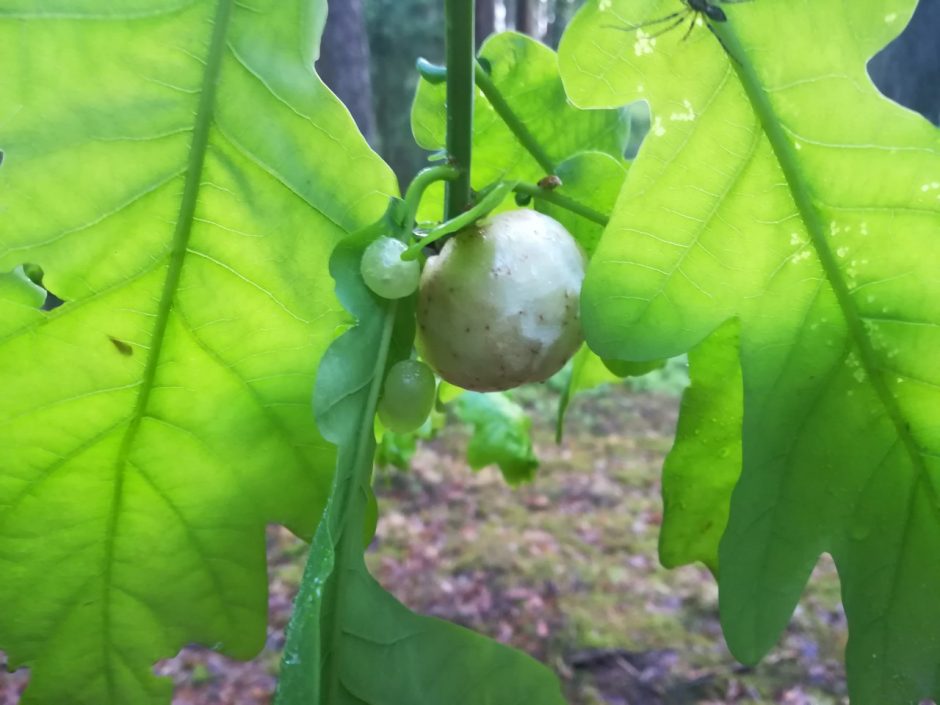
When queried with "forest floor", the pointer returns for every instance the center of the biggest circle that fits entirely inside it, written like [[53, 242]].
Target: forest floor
[[565, 568]]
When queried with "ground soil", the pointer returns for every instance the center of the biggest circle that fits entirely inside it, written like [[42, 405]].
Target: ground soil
[[564, 568]]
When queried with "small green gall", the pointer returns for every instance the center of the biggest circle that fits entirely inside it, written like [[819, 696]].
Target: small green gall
[[407, 396], [385, 272]]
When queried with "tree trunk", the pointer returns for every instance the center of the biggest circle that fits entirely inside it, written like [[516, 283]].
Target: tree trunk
[[558, 18], [486, 19], [344, 62], [524, 17]]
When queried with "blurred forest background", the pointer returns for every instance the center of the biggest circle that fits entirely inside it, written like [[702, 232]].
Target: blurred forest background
[[370, 46]]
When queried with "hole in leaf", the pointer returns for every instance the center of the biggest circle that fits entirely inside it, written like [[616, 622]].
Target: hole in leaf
[[12, 682], [908, 70], [36, 275], [639, 115]]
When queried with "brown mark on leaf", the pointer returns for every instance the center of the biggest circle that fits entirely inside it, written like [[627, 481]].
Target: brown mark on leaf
[[121, 346]]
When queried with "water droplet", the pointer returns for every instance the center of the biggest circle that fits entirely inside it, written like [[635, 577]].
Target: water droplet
[[859, 531]]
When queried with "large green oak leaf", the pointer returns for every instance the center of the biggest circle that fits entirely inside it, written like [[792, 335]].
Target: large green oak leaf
[[181, 175], [778, 187]]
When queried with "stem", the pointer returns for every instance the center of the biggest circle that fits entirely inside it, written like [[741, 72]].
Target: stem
[[417, 187], [309, 666], [518, 128], [563, 202], [460, 91], [365, 446]]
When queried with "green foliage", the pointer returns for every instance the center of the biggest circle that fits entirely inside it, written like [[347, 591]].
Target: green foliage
[[500, 435], [397, 449], [350, 641], [588, 371], [180, 175], [526, 74], [593, 179], [782, 190], [705, 462]]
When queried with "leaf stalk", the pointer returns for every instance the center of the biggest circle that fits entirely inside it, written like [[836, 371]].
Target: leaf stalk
[[418, 186], [506, 114], [487, 203], [561, 201], [436, 74]]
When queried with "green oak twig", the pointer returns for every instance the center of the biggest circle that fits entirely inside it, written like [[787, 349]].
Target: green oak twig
[[460, 94]]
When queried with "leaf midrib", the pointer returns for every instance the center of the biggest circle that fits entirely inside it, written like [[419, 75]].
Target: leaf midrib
[[196, 160], [789, 163], [350, 537]]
